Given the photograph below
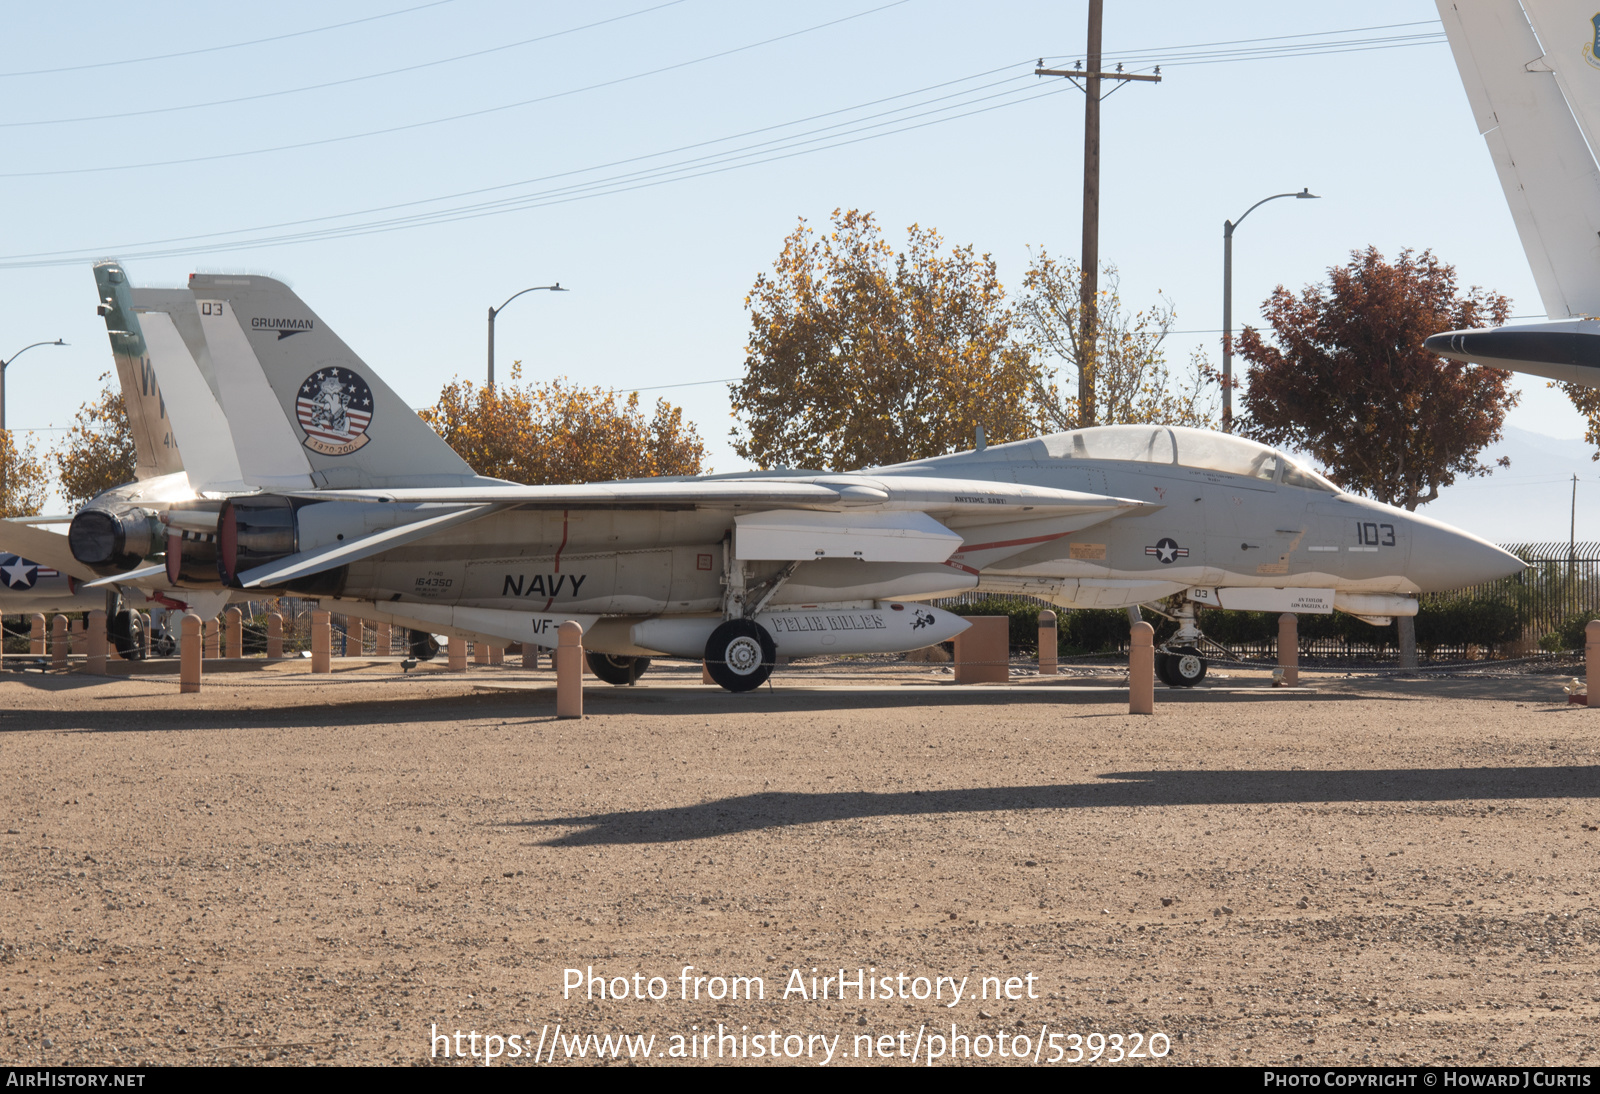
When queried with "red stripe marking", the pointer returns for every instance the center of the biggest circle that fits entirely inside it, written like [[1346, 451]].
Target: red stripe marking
[[559, 549], [1013, 542]]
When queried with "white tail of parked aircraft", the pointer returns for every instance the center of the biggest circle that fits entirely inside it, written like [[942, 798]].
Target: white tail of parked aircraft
[[1531, 71], [313, 404]]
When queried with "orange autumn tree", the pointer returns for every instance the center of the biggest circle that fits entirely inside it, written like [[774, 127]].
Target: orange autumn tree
[[860, 354], [24, 481], [98, 452], [556, 433]]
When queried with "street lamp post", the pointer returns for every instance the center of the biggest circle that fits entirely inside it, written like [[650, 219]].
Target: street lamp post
[[1227, 302], [496, 311], [7, 364]]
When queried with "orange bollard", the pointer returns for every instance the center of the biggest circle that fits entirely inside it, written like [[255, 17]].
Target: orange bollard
[[705, 674], [189, 654], [58, 644], [983, 650], [235, 620], [480, 652], [1047, 643], [36, 641], [458, 654], [497, 655], [1289, 648], [383, 640], [355, 643], [321, 642], [77, 635], [97, 642], [569, 670], [274, 636], [530, 655], [1142, 670], [1591, 656]]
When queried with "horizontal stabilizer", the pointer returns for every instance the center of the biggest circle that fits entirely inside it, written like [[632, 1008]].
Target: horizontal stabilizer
[[44, 547], [354, 550], [156, 573]]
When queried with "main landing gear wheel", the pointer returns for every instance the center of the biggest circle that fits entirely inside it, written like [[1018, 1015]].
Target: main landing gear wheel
[[621, 671], [740, 655], [127, 634], [1182, 667], [423, 646]]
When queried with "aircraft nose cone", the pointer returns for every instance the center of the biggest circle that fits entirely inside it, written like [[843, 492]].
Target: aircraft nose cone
[[1445, 344], [1445, 558]]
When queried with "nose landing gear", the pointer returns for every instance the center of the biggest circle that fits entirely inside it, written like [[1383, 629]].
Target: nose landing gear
[[1179, 662]]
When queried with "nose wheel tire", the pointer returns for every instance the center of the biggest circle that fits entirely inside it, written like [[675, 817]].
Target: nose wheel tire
[[740, 655], [621, 671], [1182, 667], [423, 646]]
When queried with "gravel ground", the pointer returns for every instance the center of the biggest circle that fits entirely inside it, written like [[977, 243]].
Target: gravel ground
[[1365, 871]]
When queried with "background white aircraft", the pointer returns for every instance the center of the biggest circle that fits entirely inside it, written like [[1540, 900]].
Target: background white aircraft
[[1532, 75]]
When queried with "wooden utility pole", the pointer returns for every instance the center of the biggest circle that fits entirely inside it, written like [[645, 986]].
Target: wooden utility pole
[[1089, 288]]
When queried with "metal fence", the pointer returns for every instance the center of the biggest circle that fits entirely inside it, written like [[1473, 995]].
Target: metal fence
[[1541, 608], [1562, 582]]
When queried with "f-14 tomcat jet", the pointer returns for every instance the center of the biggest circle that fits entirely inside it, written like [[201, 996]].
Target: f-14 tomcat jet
[[357, 500], [1532, 75]]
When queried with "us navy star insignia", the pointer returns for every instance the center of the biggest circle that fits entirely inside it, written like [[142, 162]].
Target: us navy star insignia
[[1167, 551]]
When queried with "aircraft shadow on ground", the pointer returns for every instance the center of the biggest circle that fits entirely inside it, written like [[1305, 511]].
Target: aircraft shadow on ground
[[754, 812]]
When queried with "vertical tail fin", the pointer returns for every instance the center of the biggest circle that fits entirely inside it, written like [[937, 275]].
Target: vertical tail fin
[[295, 392], [176, 348], [155, 448]]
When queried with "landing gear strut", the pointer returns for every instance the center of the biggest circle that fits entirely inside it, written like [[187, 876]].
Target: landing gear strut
[[1178, 661], [740, 653]]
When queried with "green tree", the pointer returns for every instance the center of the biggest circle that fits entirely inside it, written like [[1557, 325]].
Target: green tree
[[98, 452], [556, 433], [1128, 367], [860, 355]]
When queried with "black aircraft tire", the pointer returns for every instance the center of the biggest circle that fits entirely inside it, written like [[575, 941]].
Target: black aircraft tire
[[1186, 667], [1164, 668], [127, 634], [621, 671], [423, 646], [740, 655]]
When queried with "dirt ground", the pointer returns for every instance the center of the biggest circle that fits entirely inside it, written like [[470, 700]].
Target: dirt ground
[[355, 868]]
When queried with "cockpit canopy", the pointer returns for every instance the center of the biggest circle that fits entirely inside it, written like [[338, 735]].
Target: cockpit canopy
[[1183, 447]]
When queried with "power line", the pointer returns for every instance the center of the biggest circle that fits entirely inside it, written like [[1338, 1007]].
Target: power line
[[450, 216], [348, 80], [186, 160], [613, 183], [231, 45], [694, 167]]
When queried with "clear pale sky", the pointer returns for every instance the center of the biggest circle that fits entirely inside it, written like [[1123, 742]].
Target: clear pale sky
[[660, 247]]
